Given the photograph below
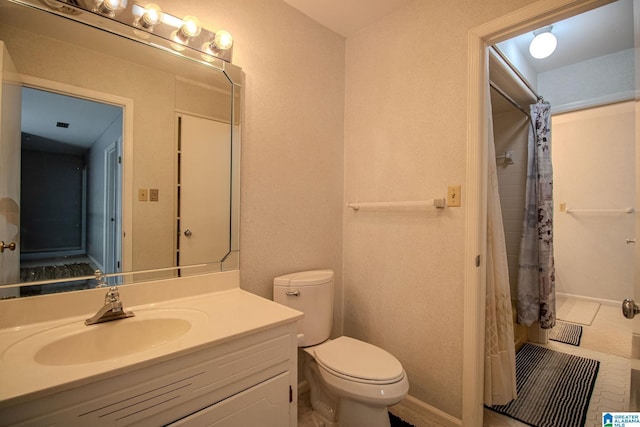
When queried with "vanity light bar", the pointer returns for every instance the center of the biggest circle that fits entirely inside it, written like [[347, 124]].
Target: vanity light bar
[[148, 24]]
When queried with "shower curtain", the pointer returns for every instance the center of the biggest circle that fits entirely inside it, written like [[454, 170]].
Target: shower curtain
[[500, 358], [536, 274]]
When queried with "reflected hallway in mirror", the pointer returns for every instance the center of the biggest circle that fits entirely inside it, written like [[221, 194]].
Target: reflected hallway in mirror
[[70, 189]]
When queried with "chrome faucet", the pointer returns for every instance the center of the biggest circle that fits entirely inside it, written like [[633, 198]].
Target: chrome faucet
[[111, 310]]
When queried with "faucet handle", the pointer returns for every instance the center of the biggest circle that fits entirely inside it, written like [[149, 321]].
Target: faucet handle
[[112, 296], [100, 282]]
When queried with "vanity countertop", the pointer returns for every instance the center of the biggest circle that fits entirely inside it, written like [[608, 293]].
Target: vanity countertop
[[220, 317]]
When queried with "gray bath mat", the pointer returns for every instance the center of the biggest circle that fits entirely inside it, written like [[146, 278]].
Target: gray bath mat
[[554, 388], [567, 333]]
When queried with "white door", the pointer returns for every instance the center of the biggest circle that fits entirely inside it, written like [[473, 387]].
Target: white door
[[112, 209], [204, 191], [10, 112]]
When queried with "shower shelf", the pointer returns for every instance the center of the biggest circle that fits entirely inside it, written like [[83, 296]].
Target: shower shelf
[[507, 157]]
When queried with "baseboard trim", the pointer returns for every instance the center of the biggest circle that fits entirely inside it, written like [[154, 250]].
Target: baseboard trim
[[412, 410], [417, 412]]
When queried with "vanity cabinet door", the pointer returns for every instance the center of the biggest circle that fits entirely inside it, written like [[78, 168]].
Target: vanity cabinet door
[[264, 405]]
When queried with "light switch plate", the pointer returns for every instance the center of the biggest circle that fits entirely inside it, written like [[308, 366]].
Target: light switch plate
[[453, 195]]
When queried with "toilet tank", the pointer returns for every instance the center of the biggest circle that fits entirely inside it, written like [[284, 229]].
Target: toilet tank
[[312, 293]]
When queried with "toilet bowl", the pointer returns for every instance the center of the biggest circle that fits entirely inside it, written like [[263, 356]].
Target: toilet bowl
[[351, 382], [361, 371]]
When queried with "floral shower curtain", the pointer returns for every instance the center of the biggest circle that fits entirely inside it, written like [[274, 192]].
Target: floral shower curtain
[[500, 358], [536, 274]]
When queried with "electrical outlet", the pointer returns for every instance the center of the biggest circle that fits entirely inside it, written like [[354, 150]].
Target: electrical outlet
[[453, 195], [142, 195], [563, 207], [153, 194]]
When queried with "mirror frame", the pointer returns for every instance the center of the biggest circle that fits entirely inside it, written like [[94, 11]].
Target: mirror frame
[[231, 72]]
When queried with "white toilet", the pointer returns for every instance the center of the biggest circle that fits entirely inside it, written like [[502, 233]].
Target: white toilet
[[352, 382]]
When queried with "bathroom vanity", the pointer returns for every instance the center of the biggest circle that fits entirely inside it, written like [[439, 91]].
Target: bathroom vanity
[[220, 356]]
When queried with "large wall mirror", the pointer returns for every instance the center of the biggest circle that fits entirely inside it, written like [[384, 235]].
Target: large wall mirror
[[118, 155]]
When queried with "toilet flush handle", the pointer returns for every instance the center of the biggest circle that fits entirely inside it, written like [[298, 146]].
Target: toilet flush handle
[[295, 293]]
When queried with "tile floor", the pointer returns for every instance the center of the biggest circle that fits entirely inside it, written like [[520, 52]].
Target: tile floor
[[607, 339]]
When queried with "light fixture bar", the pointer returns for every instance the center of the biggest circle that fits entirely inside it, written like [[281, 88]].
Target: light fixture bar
[[147, 23]]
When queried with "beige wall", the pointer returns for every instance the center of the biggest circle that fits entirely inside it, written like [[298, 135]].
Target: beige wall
[[594, 168], [405, 139]]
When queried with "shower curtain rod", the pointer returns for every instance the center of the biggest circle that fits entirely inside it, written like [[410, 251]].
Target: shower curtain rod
[[516, 72], [509, 99]]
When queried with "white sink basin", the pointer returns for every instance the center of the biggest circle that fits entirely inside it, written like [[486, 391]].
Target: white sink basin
[[75, 343]]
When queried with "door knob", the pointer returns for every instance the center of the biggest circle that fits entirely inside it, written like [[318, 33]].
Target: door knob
[[11, 246], [631, 241], [187, 233], [630, 308]]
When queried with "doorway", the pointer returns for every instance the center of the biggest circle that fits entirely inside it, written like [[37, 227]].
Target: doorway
[[524, 20], [71, 188]]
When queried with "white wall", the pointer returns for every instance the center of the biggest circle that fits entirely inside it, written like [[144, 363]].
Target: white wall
[[522, 63], [405, 139], [96, 192], [594, 168], [606, 79]]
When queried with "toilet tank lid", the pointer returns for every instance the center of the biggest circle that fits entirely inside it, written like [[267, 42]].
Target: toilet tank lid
[[304, 278]]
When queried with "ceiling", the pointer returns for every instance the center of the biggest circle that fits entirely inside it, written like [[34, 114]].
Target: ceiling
[[346, 17], [41, 111], [599, 32]]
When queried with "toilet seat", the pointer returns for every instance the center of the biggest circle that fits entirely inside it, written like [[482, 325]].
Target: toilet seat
[[358, 361]]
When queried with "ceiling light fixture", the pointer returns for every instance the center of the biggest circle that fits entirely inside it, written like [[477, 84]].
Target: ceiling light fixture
[[543, 44]]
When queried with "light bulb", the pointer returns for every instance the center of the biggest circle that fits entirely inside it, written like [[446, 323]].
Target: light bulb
[[190, 28], [152, 15], [109, 7], [223, 39], [543, 45]]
